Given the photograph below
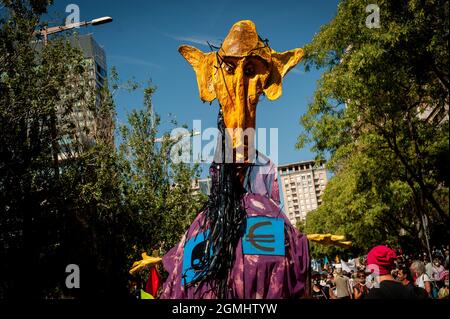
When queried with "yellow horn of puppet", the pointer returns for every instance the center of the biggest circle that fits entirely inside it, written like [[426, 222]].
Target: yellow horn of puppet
[[281, 64], [203, 65]]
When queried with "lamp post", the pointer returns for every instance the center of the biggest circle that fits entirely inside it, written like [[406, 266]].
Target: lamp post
[[45, 32]]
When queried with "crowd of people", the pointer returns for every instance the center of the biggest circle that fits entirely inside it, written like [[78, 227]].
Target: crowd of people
[[385, 273]]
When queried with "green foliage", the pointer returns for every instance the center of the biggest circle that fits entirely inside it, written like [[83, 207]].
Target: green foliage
[[33, 90], [300, 225], [159, 191], [389, 160], [98, 205]]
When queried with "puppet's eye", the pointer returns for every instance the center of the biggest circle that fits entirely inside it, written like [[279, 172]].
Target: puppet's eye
[[229, 68], [249, 70]]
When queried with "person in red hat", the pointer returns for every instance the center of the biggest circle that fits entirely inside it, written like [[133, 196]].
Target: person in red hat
[[380, 261]]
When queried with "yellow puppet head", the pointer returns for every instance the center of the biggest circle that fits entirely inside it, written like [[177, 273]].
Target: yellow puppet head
[[243, 68]]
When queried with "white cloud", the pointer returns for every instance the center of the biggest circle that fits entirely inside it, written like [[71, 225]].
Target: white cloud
[[134, 61], [202, 40]]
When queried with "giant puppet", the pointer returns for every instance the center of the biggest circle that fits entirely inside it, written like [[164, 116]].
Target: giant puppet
[[241, 245]]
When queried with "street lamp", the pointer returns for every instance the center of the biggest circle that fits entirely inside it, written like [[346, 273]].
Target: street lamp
[[46, 31], [101, 20]]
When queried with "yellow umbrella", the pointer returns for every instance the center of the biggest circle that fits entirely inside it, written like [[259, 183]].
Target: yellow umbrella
[[146, 261], [329, 239]]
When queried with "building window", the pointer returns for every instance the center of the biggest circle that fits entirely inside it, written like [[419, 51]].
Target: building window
[[101, 70]]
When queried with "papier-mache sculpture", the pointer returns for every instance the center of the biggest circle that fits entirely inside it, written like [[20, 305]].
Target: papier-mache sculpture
[[241, 245]]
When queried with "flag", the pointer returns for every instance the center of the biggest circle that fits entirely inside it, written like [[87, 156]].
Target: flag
[[153, 281], [315, 265], [348, 266], [145, 295]]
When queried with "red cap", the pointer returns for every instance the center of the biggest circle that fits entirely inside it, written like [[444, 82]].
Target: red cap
[[381, 260]]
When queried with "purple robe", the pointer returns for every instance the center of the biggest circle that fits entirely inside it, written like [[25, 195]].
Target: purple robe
[[253, 276]]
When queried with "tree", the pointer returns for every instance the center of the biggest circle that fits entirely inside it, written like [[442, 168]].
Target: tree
[[158, 189], [98, 206], [369, 112], [33, 89]]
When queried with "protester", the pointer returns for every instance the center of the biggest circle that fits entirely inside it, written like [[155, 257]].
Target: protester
[[343, 290], [360, 289], [381, 260], [422, 280], [437, 269], [331, 286], [443, 291], [317, 291], [404, 276]]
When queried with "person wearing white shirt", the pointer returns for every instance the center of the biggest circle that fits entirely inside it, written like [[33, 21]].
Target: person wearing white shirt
[[422, 278]]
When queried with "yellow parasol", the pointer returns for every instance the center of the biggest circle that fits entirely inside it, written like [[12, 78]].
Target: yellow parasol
[[146, 261], [329, 239]]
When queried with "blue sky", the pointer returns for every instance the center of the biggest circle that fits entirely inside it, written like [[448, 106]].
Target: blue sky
[[142, 43]]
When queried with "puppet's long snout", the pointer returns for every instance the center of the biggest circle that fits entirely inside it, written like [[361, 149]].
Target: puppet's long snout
[[243, 137]]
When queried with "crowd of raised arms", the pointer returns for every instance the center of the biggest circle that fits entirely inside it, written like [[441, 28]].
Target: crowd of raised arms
[[384, 273]]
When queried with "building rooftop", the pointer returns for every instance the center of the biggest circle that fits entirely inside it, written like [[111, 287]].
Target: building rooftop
[[299, 163], [86, 43]]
